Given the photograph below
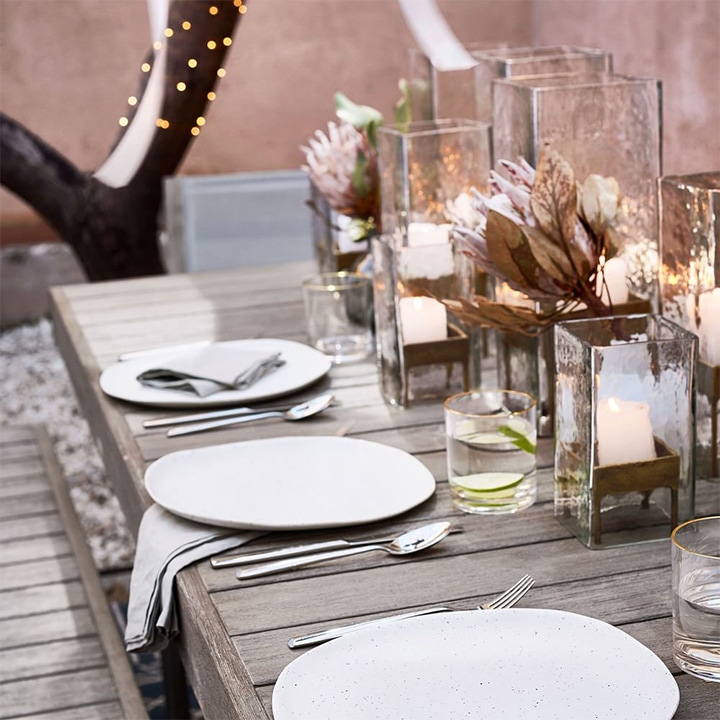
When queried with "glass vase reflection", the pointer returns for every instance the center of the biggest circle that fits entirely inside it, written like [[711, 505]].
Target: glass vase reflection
[[690, 290], [624, 428], [600, 123]]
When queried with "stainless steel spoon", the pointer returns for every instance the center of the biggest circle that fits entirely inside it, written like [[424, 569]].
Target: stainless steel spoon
[[299, 412], [409, 542]]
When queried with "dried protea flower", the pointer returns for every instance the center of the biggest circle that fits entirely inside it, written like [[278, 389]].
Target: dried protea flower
[[540, 232], [343, 167]]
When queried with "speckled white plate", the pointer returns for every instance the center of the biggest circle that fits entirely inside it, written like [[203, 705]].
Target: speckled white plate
[[539, 664], [289, 483], [303, 366]]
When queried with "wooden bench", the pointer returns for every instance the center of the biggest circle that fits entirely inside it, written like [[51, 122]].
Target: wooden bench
[[61, 655]]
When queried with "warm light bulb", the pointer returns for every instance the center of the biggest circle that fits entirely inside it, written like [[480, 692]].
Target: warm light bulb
[[145, 67], [168, 32], [192, 63], [132, 100], [213, 10], [211, 96], [181, 86], [186, 25], [227, 42], [157, 45], [123, 121], [200, 121], [242, 9], [237, 3], [221, 72], [211, 45], [195, 131]]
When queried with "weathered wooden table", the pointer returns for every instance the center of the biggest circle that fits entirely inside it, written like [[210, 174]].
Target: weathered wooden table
[[234, 634]]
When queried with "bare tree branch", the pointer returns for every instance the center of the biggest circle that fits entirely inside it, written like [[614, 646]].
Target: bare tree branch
[[113, 231]]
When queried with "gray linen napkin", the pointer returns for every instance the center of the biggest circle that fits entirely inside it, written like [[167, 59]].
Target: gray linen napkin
[[166, 544], [210, 369]]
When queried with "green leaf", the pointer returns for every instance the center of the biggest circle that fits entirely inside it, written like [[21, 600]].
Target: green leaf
[[359, 175], [363, 117], [403, 109], [518, 439]]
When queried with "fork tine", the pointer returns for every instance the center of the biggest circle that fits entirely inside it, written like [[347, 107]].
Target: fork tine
[[511, 595]]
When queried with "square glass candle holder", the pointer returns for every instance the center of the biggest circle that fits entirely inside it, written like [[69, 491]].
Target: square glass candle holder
[[422, 352], [624, 428], [690, 290], [427, 170], [600, 123]]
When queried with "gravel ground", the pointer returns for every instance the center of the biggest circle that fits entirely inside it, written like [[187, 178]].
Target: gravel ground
[[35, 388]]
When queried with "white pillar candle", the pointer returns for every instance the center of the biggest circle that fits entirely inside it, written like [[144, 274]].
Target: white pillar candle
[[425, 233], [624, 432], [423, 319], [429, 253], [615, 286], [709, 326]]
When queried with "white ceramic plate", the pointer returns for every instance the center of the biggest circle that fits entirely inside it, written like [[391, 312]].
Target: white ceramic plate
[[539, 664], [303, 366], [289, 483]]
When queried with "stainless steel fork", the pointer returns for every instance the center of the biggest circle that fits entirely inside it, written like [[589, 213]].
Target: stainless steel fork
[[505, 600]]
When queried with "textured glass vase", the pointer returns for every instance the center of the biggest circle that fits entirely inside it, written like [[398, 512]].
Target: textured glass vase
[[426, 171], [333, 249], [624, 428], [438, 93], [689, 282], [468, 93], [496, 63], [600, 123]]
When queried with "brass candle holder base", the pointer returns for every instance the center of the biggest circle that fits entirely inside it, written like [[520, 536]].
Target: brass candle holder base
[[643, 477], [453, 349]]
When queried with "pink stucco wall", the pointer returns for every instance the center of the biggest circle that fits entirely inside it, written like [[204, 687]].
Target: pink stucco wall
[[68, 66]]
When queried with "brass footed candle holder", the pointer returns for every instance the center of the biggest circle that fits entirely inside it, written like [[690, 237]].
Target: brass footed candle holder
[[709, 385], [625, 414], [643, 477], [449, 351]]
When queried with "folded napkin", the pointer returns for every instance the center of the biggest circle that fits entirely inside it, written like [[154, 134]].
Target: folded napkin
[[166, 544], [210, 369]]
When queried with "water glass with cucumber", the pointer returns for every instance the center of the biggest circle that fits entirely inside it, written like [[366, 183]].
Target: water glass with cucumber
[[491, 450]]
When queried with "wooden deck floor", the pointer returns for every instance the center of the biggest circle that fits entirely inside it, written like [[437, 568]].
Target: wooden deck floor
[[60, 653]]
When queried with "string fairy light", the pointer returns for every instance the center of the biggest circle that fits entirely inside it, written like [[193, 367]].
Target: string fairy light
[[192, 63]]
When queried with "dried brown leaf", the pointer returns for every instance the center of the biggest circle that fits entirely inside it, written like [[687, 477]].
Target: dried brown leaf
[[508, 318], [553, 198]]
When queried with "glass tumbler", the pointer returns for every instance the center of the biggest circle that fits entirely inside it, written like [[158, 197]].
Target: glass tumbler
[[339, 315], [491, 450], [696, 597]]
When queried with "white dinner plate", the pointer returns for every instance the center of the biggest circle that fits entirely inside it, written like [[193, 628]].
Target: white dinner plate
[[303, 366], [289, 483], [478, 665]]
